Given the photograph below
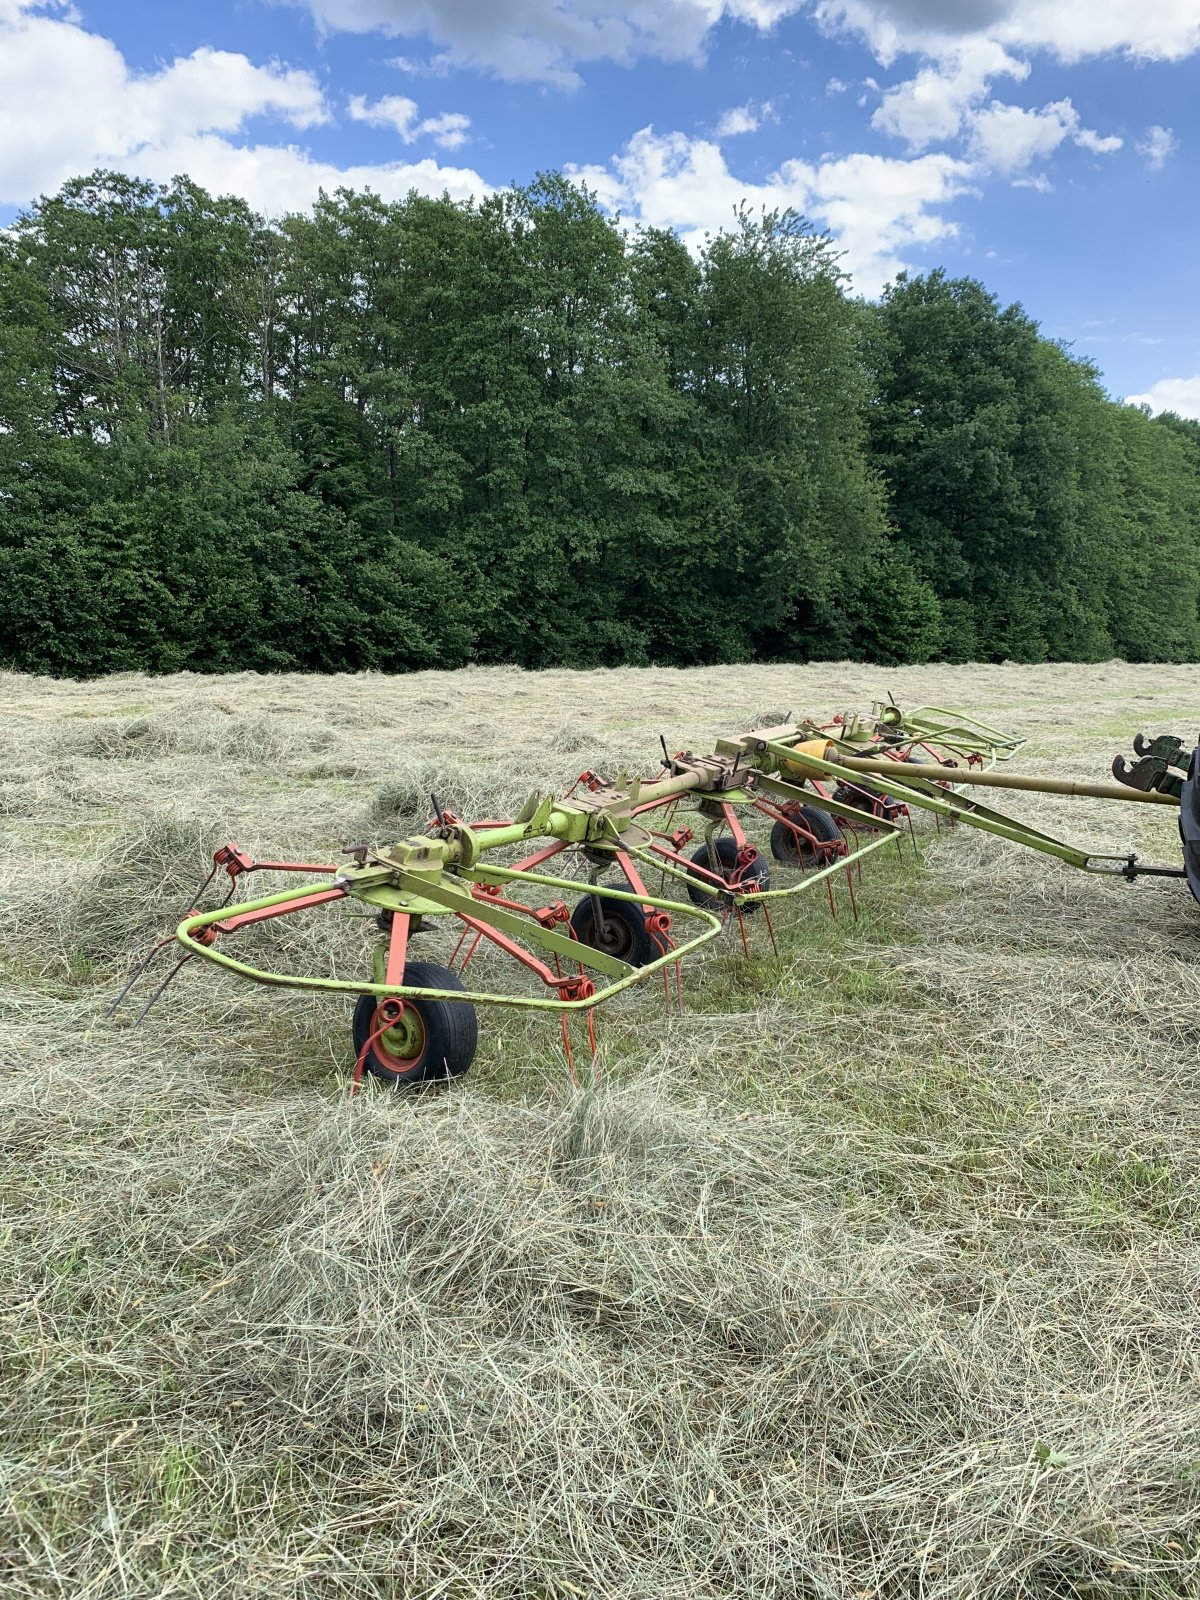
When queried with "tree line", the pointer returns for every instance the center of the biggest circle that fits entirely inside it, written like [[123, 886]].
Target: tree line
[[425, 433]]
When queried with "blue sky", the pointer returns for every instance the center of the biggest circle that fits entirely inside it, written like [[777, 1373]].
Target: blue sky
[[1047, 147]]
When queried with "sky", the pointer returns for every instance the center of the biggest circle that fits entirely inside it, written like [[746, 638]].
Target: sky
[[1046, 147]]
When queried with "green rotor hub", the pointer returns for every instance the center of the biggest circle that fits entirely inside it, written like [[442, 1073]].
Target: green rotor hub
[[405, 1039]]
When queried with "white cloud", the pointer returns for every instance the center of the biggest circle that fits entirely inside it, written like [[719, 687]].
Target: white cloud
[[932, 107], [966, 46], [219, 90], [396, 111], [1008, 139], [1156, 144], [547, 40], [1171, 394], [968, 43], [448, 130], [1072, 30], [877, 207], [70, 102], [739, 119], [275, 179], [390, 111], [439, 67], [745, 119], [1150, 30], [949, 97], [1099, 145]]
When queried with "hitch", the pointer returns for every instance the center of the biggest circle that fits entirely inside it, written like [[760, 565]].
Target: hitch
[[1161, 765]]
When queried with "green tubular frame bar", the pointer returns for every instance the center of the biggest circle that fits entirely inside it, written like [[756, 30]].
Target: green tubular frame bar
[[923, 788], [809, 881], [390, 890], [966, 736], [975, 741], [787, 793]]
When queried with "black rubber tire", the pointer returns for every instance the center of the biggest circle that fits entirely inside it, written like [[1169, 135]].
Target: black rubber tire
[[451, 1031], [709, 899], [795, 852], [629, 939], [862, 796], [1189, 823]]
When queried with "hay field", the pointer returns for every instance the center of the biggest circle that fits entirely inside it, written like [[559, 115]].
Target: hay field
[[874, 1275]]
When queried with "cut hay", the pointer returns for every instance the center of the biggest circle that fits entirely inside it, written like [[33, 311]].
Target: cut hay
[[871, 1275]]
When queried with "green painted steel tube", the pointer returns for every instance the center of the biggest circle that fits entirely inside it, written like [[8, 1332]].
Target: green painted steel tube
[[563, 817], [520, 833], [993, 822], [809, 881], [970, 732], [790, 792], [1005, 780], [187, 930]]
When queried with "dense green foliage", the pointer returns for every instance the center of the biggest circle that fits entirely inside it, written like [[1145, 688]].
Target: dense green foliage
[[423, 434]]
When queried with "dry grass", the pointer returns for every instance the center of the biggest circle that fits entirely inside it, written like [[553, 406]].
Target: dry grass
[[874, 1275]]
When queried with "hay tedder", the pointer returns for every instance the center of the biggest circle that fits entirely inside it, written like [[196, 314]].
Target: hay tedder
[[554, 906]]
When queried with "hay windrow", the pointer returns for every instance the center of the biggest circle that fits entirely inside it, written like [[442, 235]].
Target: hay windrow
[[872, 1275]]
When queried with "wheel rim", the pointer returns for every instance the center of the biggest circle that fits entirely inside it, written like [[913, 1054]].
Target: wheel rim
[[614, 936], [404, 1041]]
